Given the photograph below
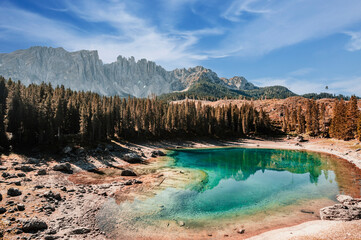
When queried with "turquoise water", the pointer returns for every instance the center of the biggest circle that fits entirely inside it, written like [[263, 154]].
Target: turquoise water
[[239, 182], [241, 179]]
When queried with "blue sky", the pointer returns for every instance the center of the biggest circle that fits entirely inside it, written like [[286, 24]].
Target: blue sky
[[302, 44]]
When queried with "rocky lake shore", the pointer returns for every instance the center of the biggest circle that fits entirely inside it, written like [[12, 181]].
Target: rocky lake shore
[[58, 196]]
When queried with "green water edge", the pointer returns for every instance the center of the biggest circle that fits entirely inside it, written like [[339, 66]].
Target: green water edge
[[236, 183]]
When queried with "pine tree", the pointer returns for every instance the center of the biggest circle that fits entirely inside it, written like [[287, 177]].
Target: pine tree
[[352, 118]]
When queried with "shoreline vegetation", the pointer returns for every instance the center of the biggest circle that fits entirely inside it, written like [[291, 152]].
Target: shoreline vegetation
[[66, 153]]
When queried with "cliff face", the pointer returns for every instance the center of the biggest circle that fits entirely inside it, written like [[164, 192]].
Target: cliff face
[[83, 70]]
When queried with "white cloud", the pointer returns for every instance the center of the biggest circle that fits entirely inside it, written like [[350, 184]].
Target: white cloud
[[132, 36], [290, 22], [355, 42], [347, 86]]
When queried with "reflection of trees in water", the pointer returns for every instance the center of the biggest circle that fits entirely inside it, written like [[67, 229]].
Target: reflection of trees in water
[[240, 164]]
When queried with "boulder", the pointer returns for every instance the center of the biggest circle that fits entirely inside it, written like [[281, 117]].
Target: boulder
[[80, 231], [158, 153], [20, 207], [13, 192], [67, 149], [51, 195], [241, 230], [181, 223], [344, 198], [21, 174], [300, 139], [128, 172], [33, 161], [24, 168], [42, 172], [34, 225], [2, 210], [349, 209], [132, 158], [63, 167]]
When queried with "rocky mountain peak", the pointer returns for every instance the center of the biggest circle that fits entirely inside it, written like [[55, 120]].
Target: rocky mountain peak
[[83, 70]]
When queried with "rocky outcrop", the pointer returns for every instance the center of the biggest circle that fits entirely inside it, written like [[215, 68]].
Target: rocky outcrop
[[83, 70], [239, 83], [348, 209]]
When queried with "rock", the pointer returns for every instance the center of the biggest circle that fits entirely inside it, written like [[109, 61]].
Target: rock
[[307, 211], [110, 147], [17, 183], [1, 197], [63, 167], [136, 181], [34, 225], [21, 207], [79, 151], [49, 237], [67, 149], [13, 192], [33, 161], [300, 139], [344, 198], [357, 150], [25, 168], [80, 231], [129, 182], [241, 230], [21, 174], [2, 168], [158, 153], [128, 172], [51, 195], [2, 210], [132, 158], [349, 209], [42, 172], [181, 223]]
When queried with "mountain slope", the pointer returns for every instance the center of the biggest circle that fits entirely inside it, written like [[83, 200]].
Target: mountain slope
[[83, 70]]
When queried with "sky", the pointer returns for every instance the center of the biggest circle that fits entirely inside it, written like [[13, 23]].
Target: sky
[[304, 45]]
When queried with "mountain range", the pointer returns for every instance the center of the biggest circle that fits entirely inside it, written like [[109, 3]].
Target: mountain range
[[83, 70]]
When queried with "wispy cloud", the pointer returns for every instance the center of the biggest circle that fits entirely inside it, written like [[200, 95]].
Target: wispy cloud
[[238, 8], [241, 28], [132, 35], [290, 22], [355, 42]]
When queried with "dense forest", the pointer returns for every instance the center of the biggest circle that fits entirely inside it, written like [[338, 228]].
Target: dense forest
[[41, 114], [312, 120]]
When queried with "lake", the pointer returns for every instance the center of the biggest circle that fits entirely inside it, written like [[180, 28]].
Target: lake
[[259, 188]]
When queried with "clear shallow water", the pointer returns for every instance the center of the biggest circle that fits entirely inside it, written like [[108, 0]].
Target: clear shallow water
[[239, 182]]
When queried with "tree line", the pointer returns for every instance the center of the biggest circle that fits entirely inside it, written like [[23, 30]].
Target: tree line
[[41, 114], [312, 119]]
